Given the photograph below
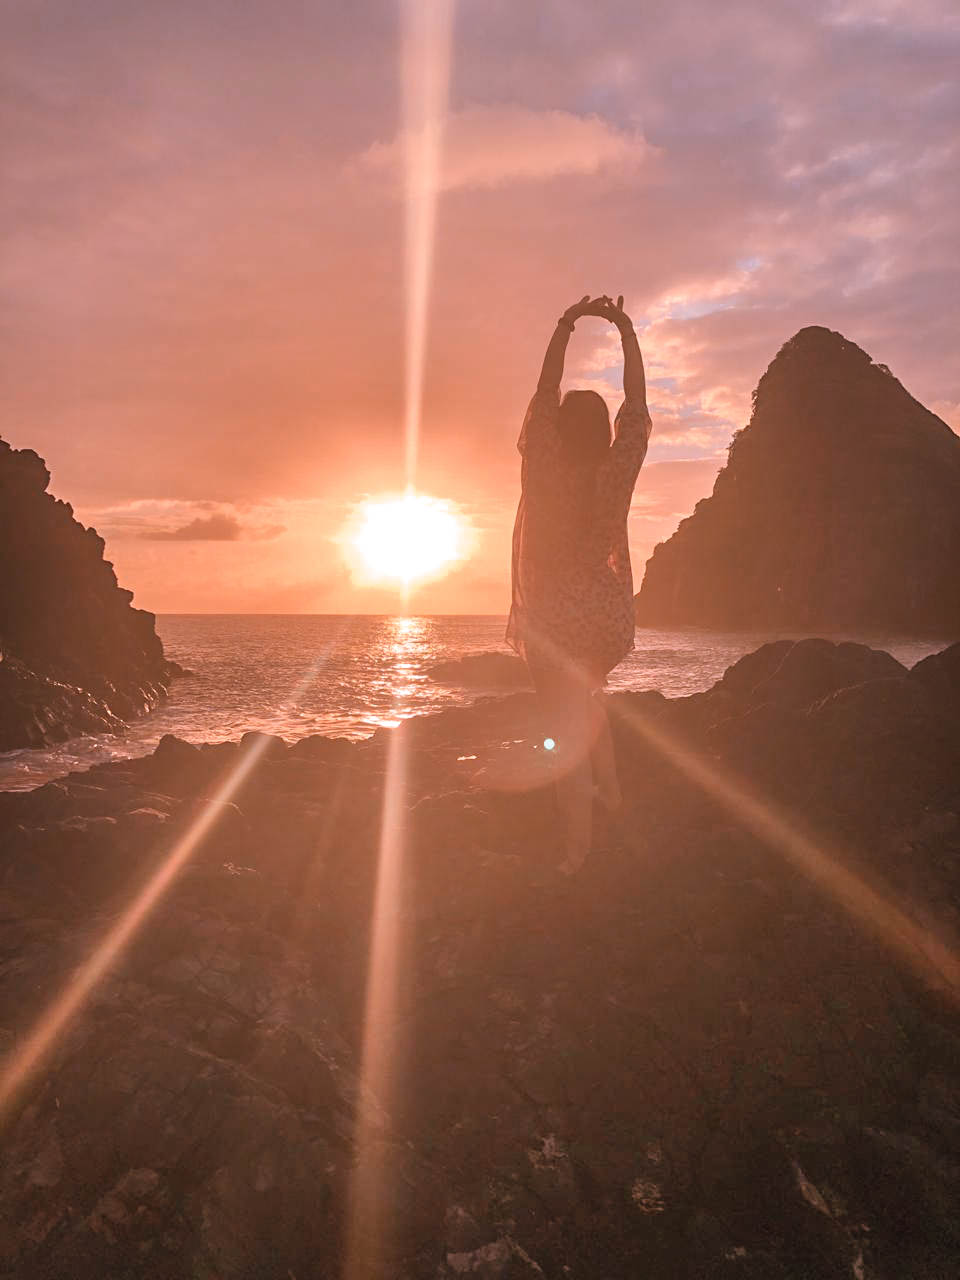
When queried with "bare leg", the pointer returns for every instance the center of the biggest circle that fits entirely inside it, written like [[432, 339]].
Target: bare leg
[[604, 760], [571, 719], [575, 784], [575, 800]]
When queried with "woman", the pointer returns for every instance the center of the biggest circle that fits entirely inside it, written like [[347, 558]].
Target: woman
[[572, 617]]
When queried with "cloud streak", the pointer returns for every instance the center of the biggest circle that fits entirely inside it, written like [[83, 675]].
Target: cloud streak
[[492, 146], [216, 528]]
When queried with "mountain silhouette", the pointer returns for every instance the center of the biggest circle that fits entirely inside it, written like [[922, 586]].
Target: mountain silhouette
[[838, 509]]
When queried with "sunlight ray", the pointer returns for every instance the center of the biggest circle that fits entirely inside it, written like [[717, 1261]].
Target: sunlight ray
[[426, 52], [918, 944], [427, 37], [28, 1057], [370, 1197], [936, 963]]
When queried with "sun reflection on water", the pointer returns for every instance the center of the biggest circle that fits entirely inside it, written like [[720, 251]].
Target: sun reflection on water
[[408, 644]]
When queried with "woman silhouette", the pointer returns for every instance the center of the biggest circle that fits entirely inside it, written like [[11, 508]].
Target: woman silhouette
[[572, 616]]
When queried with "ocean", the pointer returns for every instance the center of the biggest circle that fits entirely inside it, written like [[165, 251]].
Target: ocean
[[297, 674]]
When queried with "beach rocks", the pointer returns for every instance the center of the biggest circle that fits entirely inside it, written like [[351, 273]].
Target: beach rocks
[[318, 748], [483, 671], [694, 1059], [36, 710], [75, 656], [265, 745], [797, 673]]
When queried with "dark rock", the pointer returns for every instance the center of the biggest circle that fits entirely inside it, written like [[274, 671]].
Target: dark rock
[[75, 656], [483, 671], [321, 749], [175, 752], [265, 744], [692, 1060], [179, 671], [218, 818], [939, 676], [797, 673], [838, 510], [37, 710], [178, 768], [880, 751]]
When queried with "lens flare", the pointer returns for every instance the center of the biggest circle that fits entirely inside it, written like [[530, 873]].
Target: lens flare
[[428, 28], [37, 1045], [428, 540], [369, 1223], [823, 861], [869, 905]]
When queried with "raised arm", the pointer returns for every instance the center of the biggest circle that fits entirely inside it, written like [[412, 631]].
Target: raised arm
[[552, 371], [634, 381]]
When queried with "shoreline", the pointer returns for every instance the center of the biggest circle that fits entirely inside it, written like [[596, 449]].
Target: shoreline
[[243, 676], [700, 1048]]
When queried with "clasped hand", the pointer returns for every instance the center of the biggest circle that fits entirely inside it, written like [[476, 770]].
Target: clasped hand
[[604, 307]]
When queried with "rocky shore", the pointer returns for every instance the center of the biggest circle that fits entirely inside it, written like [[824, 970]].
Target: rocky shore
[[75, 656], [707, 1055]]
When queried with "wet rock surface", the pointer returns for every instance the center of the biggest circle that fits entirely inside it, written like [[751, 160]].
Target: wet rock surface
[[838, 510], [75, 656], [694, 1059]]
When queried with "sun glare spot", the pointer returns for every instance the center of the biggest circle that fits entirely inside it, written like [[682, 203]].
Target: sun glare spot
[[405, 539]]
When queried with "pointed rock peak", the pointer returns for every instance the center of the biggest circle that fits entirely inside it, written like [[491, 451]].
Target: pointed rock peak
[[821, 361], [838, 509], [818, 337], [818, 345]]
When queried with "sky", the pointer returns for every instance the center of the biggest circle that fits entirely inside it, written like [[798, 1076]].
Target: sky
[[202, 273]]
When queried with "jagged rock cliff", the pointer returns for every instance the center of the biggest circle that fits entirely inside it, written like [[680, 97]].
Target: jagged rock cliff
[[75, 656], [839, 509]]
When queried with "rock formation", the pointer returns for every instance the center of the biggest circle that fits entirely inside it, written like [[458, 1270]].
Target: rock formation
[[75, 656], [838, 510], [490, 670], [700, 1058]]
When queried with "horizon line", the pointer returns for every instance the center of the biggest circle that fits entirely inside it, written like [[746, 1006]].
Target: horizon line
[[263, 613]]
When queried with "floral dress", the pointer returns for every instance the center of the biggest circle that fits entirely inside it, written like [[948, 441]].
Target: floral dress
[[572, 583]]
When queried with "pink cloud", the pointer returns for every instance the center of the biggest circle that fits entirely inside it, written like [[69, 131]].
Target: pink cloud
[[208, 298], [489, 146]]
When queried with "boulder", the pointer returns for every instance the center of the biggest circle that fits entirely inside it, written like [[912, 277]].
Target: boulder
[[267, 745], [492, 670], [321, 749], [797, 673]]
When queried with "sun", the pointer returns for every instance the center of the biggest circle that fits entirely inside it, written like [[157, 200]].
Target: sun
[[405, 539]]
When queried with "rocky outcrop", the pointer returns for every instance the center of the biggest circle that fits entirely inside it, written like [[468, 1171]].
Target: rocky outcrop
[[75, 656], [838, 510], [490, 670], [694, 1060]]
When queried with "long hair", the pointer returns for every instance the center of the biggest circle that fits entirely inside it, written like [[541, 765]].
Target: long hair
[[584, 429]]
